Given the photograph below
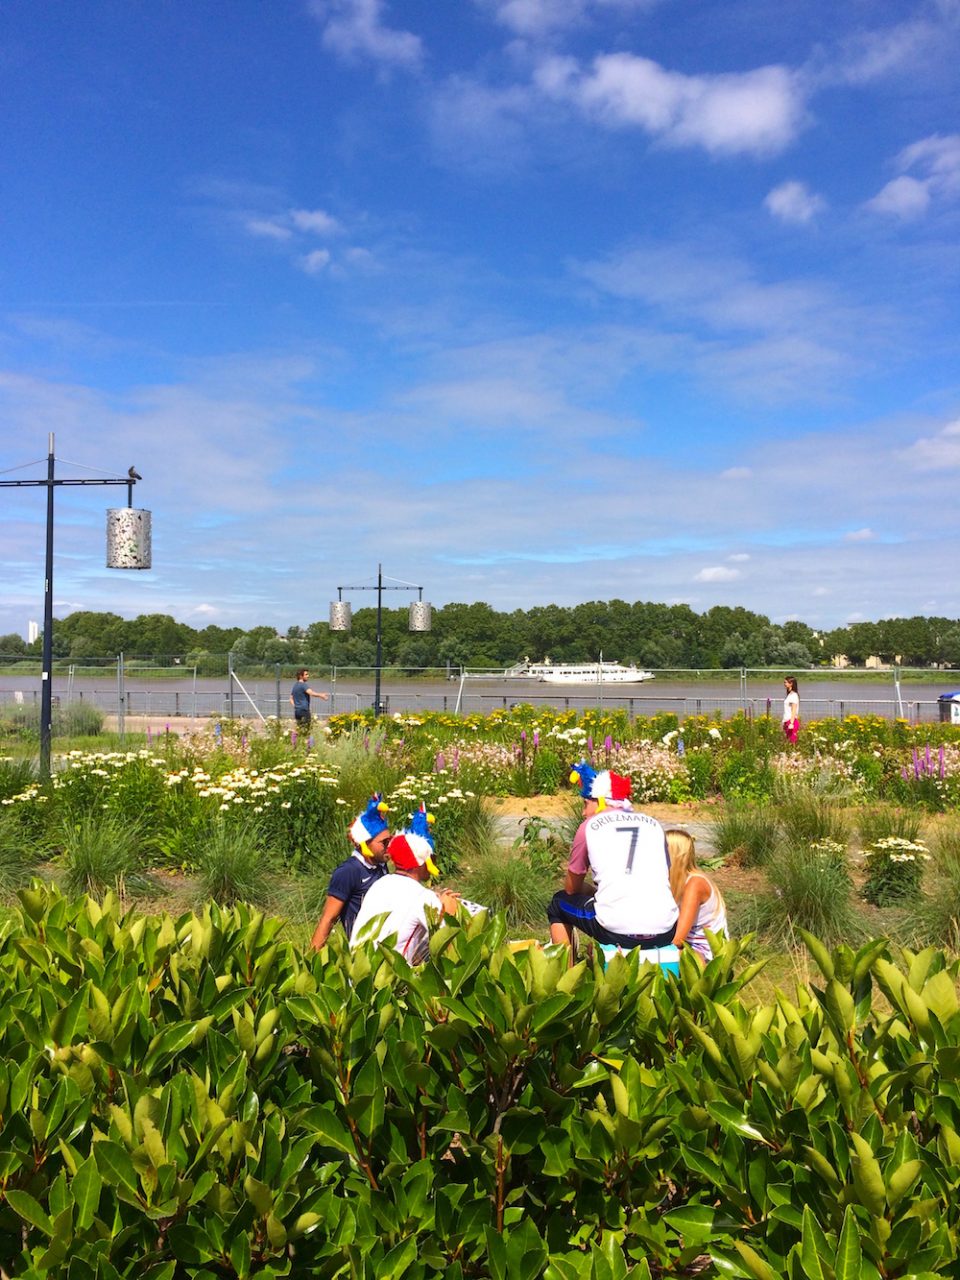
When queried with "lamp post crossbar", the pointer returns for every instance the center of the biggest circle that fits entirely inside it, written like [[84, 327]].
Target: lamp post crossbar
[[392, 584], [46, 678]]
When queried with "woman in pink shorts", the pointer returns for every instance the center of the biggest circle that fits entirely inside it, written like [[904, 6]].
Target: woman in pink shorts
[[791, 709]]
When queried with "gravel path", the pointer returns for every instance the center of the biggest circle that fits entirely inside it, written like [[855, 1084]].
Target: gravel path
[[510, 827]]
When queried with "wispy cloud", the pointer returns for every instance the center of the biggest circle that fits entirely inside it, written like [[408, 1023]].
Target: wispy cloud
[[794, 202], [859, 535], [872, 53], [929, 171], [717, 573], [356, 31], [315, 221], [315, 262], [269, 228], [765, 341], [940, 452], [538, 18], [756, 112]]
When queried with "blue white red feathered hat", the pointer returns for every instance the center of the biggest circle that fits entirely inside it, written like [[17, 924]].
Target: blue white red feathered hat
[[369, 824], [413, 846], [602, 786]]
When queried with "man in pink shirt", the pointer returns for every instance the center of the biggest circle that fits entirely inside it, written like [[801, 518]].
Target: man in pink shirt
[[625, 853]]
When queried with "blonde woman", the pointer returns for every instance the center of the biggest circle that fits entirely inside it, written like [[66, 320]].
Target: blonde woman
[[700, 901]]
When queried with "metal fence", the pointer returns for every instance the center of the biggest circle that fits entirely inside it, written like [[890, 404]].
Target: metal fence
[[250, 695]]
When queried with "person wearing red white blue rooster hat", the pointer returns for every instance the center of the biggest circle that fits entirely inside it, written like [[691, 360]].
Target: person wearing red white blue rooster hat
[[625, 853], [370, 833], [396, 906]]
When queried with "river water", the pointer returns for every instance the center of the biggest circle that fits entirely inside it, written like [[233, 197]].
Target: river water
[[828, 695]]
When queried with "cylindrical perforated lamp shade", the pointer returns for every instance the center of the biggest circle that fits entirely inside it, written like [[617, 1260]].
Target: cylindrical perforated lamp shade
[[128, 538], [420, 616], [340, 615]]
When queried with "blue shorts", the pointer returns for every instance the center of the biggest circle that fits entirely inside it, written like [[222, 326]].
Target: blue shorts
[[577, 911]]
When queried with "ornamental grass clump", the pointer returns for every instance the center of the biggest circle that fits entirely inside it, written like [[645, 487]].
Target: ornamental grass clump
[[233, 867], [894, 870], [812, 891], [807, 817], [747, 834], [15, 777], [933, 917], [15, 866], [101, 853], [882, 820]]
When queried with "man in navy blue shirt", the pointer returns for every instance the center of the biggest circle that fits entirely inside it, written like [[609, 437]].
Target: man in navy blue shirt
[[300, 696], [370, 832]]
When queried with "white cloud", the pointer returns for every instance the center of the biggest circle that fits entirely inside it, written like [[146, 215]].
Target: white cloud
[[315, 262], [354, 29], [794, 202], [315, 221], [717, 573], [736, 473], [480, 125], [739, 557], [936, 161], [924, 44], [765, 341], [903, 198], [756, 112], [859, 535], [537, 18], [268, 228], [935, 453]]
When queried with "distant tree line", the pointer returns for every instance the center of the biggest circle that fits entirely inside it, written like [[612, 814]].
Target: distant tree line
[[476, 635]]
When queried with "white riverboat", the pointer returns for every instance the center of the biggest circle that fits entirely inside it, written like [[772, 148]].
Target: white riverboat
[[577, 673]]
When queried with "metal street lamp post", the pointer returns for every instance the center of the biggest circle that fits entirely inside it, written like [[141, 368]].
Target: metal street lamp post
[[341, 619], [128, 547]]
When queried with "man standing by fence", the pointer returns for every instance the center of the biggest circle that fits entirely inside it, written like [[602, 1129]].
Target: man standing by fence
[[300, 696]]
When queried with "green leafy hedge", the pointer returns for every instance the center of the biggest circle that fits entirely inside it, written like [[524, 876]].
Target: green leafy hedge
[[198, 1098]]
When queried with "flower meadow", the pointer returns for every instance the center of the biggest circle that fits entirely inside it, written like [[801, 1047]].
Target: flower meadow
[[286, 804]]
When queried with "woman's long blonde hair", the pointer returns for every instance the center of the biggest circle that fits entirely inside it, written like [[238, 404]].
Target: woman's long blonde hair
[[683, 863]]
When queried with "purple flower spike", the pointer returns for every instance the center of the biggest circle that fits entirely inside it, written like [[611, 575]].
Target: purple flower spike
[[168, 728], [904, 773], [523, 735], [310, 742], [608, 743], [536, 738], [439, 763], [456, 759], [943, 767], [293, 738], [590, 745]]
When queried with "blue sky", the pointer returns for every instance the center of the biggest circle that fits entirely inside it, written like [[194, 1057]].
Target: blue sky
[[529, 300]]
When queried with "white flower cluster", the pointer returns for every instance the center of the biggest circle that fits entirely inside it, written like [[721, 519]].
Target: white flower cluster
[[431, 789], [573, 736], [32, 793], [898, 849]]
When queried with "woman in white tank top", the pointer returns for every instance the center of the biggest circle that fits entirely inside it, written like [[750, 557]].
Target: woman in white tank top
[[700, 901]]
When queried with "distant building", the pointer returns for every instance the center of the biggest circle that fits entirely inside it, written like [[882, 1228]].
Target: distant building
[[33, 632], [840, 660]]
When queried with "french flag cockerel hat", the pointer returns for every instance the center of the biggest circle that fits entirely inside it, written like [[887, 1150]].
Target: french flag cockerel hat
[[371, 823], [413, 846], [600, 786]]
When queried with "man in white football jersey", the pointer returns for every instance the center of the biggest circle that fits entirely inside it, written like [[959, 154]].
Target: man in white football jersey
[[625, 853]]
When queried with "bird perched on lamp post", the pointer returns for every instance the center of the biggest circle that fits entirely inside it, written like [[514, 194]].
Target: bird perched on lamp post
[[134, 474]]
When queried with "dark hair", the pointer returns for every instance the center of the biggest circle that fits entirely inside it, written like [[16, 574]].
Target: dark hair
[[301, 673], [792, 682]]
